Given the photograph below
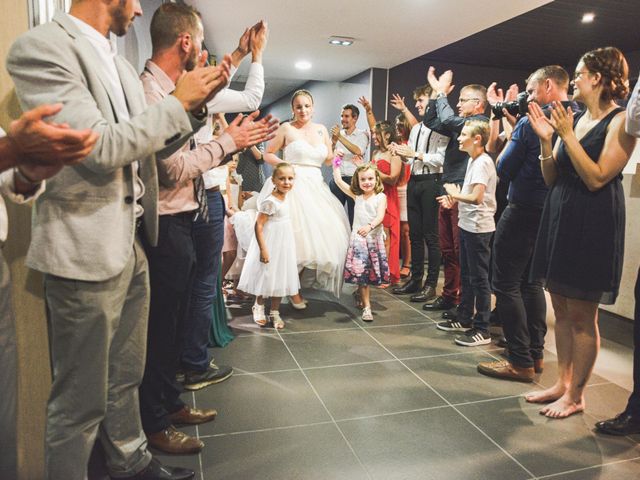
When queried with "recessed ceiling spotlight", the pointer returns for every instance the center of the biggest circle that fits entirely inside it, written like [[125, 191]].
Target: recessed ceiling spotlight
[[303, 65], [588, 17], [341, 41]]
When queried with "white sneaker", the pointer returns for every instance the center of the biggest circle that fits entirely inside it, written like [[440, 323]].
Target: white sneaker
[[367, 316], [277, 321], [258, 314]]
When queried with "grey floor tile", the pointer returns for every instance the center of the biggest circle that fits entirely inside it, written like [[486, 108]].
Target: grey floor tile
[[255, 353], [546, 446], [406, 341], [315, 452], [319, 315], [434, 444], [456, 378], [191, 462], [334, 348], [629, 470], [252, 402], [371, 389]]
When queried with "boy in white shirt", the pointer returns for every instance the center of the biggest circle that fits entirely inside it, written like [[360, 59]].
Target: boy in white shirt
[[477, 205]]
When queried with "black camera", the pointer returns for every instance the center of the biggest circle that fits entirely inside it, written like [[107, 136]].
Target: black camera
[[519, 106]]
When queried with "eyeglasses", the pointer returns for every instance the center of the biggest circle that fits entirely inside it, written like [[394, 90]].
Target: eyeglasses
[[465, 100], [579, 73]]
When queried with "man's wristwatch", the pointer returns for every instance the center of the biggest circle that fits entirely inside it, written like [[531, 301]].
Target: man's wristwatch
[[201, 114]]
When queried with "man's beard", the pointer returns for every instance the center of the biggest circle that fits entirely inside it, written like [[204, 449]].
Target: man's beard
[[120, 23], [192, 61]]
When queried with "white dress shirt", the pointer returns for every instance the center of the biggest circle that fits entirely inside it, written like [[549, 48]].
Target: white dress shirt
[[107, 51], [359, 138], [429, 147]]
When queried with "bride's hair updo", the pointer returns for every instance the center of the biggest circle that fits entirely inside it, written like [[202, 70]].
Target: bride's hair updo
[[297, 93], [610, 63]]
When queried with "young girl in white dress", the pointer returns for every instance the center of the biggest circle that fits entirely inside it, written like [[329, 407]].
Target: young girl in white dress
[[270, 268], [366, 262]]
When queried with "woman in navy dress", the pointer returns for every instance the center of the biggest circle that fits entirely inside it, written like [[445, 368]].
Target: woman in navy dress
[[580, 244]]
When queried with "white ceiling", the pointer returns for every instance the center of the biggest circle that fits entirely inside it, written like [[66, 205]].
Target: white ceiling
[[387, 32]]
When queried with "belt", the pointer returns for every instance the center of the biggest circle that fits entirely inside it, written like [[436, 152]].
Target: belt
[[214, 189], [190, 214], [424, 176], [528, 208]]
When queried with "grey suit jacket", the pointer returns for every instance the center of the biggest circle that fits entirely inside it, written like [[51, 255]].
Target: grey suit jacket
[[84, 224]]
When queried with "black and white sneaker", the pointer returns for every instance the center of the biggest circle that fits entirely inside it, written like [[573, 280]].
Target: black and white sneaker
[[452, 326], [473, 338]]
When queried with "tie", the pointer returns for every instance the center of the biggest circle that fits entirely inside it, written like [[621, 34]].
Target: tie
[[200, 192]]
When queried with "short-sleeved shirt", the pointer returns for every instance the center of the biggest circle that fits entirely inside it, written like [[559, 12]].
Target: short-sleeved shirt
[[479, 218], [357, 137]]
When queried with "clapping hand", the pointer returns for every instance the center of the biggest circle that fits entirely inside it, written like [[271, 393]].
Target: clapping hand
[[494, 95], [440, 84], [403, 150], [245, 132], [335, 133], [540, 123], [561, 119]]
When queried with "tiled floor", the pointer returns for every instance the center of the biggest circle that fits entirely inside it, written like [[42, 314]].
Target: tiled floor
[[330, 397]]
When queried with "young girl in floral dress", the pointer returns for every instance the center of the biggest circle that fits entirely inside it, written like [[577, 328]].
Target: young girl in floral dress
[[366, 262]]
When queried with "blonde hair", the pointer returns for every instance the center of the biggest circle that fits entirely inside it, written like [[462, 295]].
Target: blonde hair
[[281, 166], [304, 92], [355, 180], [478, 127]]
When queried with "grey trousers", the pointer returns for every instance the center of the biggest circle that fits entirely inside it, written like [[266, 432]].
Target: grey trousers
[[8, 377], [98, 336]]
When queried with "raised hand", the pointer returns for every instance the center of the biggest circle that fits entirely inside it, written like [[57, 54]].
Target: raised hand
[[397, 102], [540, 124], [335, 133], [440, 84], [258, 40], [512, 93], [200, 85], [562, 119], [245, 132], [365, 104], [43, 148], [494, 95]]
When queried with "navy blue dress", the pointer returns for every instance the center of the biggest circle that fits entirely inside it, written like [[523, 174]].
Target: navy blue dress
[[580, 245]]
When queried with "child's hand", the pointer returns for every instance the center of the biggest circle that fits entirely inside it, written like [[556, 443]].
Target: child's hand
[[264, 256], [445, 201], [364, 231], [452, 189], [247, 195]]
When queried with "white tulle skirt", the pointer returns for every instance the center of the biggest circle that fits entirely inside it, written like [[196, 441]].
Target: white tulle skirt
[[279, 277], [320, 229]]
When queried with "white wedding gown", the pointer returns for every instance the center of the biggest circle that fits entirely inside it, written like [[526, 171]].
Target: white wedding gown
[[320, 225]]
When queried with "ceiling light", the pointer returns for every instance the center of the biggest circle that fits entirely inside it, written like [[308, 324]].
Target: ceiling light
[[303, 65], [588, 17], [340, 41]]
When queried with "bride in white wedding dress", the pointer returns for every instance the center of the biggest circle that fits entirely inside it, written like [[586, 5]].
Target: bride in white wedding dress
[[320, 224]]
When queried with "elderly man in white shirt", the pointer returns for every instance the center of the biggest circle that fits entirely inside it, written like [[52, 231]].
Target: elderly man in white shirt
[[33, 151]]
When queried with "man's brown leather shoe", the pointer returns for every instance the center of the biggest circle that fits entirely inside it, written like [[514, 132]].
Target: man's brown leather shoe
[[171, 440], [505, 370], [192, 416]]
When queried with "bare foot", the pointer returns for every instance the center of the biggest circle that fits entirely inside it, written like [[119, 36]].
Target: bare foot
[[545, 396], [563, 408]]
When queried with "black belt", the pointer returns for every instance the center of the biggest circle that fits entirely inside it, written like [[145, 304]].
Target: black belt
[[528, 208], [214, 189], [425, 176], [189, 214]]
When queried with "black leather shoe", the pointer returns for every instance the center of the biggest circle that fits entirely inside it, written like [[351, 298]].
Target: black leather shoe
[[427, 293], [623, 424], [156, 471], [412, 286], [439, 304]]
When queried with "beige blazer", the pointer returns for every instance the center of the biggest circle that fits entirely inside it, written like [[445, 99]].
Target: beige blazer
[[84, 223]]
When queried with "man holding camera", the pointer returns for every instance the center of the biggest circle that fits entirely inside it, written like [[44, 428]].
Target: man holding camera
[[521, 303]]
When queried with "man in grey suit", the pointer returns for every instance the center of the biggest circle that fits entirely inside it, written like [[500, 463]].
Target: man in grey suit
[[86, 227]]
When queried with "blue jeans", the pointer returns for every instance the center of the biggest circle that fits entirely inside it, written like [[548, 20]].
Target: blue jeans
[[475, 253], [208, 239]]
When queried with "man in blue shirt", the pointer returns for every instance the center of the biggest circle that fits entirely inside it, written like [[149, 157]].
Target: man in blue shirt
[[521, 303]]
